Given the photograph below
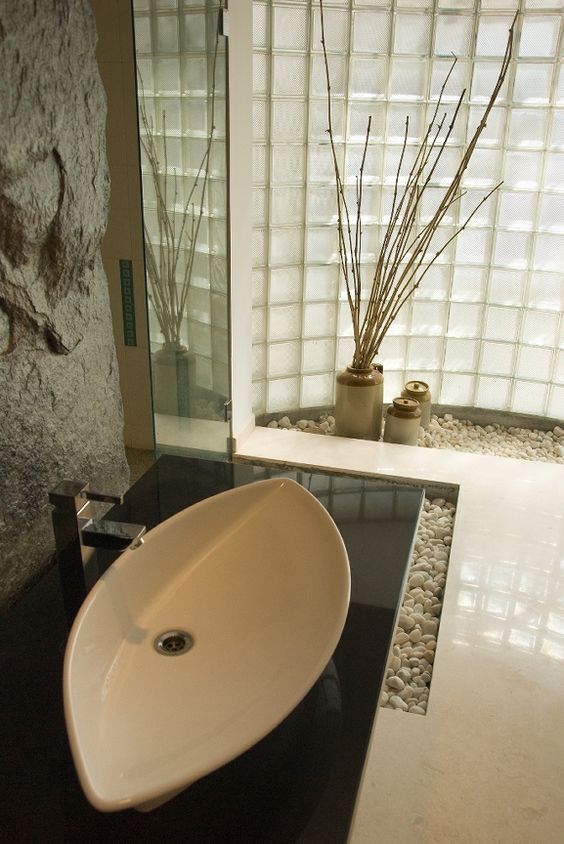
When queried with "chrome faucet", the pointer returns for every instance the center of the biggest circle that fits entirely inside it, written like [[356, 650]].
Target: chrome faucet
[[75, 532]]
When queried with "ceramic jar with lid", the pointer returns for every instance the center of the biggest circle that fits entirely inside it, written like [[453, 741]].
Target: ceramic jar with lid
[[403, 419], [419, 391]]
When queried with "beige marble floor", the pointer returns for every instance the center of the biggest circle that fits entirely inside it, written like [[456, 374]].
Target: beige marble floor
[[486, 764]]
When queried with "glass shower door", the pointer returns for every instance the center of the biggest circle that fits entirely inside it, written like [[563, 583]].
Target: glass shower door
[[181, 78]]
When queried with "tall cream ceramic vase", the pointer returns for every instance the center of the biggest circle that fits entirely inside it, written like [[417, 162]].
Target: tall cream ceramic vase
[[358, 403]]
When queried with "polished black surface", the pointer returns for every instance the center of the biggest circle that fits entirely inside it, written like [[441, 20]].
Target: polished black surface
[[297, 785]]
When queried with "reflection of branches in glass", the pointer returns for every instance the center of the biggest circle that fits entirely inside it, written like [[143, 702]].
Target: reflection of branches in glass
[[169, 282], [404, 256]]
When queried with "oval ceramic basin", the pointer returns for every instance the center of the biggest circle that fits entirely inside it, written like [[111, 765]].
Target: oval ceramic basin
[[259, 578]]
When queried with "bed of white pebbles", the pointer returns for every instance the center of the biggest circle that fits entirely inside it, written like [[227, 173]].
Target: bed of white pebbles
[[409, 672], [461, 435]]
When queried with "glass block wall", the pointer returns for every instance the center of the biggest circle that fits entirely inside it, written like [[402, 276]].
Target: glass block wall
[[485, 329], [175, 42]]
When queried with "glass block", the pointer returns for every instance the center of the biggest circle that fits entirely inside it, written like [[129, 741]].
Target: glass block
[[546, 291], [286, 246], [493, 392], [167, 78], [493, 133], [259, 205], [535, 363], [473, 246], [261, 29], [556, 403], [320, 163], [397, 116], [287, 206], [425, 353], [551, 217], [344, 324], [539, 36], [285, 322], [429, 318], [317, 390], [321, 205], [497, 358], [548, 251], [484, 79], [492, 35], [259, 287], [194, 76], [517, 210], [318, 355], [484, 168], [285, 285], [461, 354], [453, 34], [288, 164], [288, 120], [321, 283], [522, 170], [321, 244], [529, 397], [412, 33], [556, 139], [451, 88], [527, 127], [436, 284], [558, 367], [368, 77], [259, 361], [319, 121], [260, 120], [539, 328], [559, 92], [259, 164], [290, 28], [258, 397], [499, 4], [407, 79], [359, 112], [457, 389], [394, 383], [345, 351], [373, 163], [288, 75], [337, 76], [554, 171], [259, 325], [261, 76], [393, 351], [193, 32], [282, 394], [337, 29], [371, 31], [204, 376], [258, 247], [200, 338], [501, 323], [284, 359], [465, 320], [446, 166], [143, 40], [532, 83], [512, 249], [320, 319], [506, 287], [475, 211]]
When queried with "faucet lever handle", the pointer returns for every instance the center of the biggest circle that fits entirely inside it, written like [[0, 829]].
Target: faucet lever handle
[[92, 495]]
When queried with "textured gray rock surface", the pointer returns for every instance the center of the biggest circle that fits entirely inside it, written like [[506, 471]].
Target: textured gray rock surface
[[60, 406]]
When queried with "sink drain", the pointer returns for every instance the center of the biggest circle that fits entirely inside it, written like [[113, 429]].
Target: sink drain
[[173, 642]]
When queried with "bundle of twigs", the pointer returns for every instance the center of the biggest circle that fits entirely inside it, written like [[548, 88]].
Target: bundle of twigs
[[169, 282], [404, 257]]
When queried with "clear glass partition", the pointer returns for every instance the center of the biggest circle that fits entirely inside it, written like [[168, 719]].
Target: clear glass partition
[[181, 58]]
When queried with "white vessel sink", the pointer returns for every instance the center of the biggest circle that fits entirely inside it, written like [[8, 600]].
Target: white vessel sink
[[259, 578]]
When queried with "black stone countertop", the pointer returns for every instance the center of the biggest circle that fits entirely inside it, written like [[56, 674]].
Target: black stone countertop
[[299, 784]]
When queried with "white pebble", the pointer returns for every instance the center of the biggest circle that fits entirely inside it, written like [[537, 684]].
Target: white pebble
[[398, 703]]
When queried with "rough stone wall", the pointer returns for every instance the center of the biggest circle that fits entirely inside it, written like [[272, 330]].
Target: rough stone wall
[[60, 405]]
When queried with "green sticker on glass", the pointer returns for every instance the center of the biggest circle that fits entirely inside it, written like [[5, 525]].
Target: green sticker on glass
[[127, 302]]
